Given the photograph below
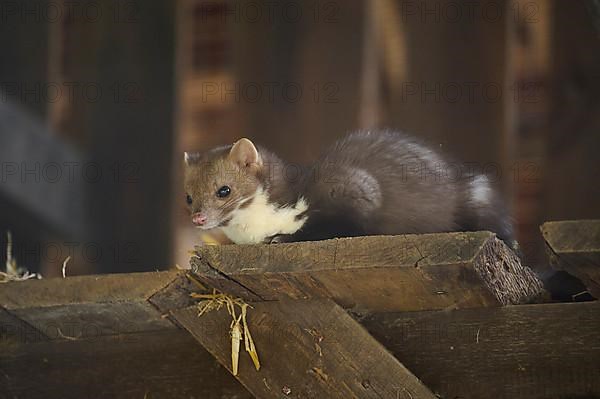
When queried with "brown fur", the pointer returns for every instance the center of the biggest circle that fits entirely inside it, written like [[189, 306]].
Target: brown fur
[[367, 183], [206, 173]]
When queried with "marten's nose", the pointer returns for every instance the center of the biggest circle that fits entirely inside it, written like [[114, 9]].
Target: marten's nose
[[198, 219]]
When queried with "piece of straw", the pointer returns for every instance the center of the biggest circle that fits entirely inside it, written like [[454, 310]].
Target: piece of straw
[[238, 329], [64, 268], [13, 271]]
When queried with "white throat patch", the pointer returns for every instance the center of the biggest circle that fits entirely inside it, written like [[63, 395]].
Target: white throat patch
[[262, 219]]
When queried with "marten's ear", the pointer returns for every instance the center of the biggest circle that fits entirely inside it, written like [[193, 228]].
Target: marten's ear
[[190, 158], [244, 153]]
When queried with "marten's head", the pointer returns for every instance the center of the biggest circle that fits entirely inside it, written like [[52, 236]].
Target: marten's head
[[220, 181]]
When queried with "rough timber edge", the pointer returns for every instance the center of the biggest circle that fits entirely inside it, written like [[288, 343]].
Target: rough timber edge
[[408, 249], [498, 267], [106, 288]]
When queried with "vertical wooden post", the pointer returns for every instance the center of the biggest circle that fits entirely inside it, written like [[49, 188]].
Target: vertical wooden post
[[130, 129]]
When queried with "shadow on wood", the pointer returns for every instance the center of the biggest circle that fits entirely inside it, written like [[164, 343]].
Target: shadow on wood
[[526, 351], [574, 246]]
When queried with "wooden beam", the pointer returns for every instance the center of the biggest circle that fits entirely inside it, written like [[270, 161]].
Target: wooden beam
[[162, 364], [88, 306], [100, 336], [385, 273], [526, 351], [574, 246], [108, 334], [308, 349], [84, 289], [94, 323], [136, 107]]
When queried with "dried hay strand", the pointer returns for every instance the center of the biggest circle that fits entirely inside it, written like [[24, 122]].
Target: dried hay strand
[[238, 329], [13, 271], [64, 266]]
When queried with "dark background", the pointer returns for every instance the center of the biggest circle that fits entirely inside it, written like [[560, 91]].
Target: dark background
[[100, 99]]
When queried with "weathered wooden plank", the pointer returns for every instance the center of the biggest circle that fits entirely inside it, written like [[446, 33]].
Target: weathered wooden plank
[[94, 319], [383, 273], [83, 289], [99, 336], [176, 295], [526, 351], [538, 351], [308, 349], [574, 246], [87, 306], [168, 364], [213, 277], [14, 330]]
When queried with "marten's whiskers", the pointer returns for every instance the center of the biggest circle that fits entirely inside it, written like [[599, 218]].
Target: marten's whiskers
[[233, 201]]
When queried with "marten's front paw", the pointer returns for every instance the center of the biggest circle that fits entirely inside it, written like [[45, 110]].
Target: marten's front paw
[[277, 239]]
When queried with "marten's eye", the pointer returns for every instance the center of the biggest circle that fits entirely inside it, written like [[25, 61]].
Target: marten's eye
[[188, 199], [223, 192]]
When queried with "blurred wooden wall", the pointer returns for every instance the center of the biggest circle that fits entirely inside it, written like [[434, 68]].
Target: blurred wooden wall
[[572, 186], [128, 53], [357, 64], [445, 60], [530, 114], [25, 56], [317, 63], [436, 54]]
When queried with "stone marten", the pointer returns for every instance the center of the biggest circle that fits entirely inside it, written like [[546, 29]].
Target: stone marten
[[368, 183]]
